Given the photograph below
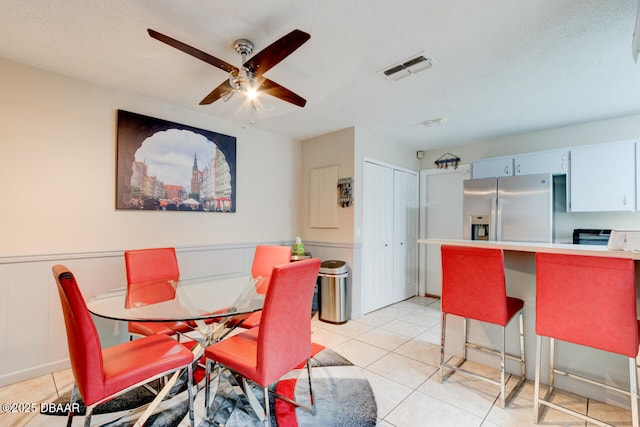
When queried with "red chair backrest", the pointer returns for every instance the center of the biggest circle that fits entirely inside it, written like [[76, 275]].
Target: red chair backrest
[[149, 275], [85, 351], [265, 258], [587, 300], [284, 337], [473, 283]]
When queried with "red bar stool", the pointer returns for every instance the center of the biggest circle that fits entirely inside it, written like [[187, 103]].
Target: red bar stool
[[590, 301], [473, 287]]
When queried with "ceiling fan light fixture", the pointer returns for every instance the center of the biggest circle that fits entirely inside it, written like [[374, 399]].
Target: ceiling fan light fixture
[[250, 73], [408, 67], [251, 92]]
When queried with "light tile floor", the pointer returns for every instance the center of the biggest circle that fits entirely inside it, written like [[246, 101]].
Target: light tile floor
[[397, 348]]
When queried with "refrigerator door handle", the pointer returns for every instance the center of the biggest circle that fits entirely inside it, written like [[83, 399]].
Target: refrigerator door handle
[[499, 220], [494, 220]]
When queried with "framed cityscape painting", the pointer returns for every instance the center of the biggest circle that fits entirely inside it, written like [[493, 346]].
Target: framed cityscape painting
[[166, 166]]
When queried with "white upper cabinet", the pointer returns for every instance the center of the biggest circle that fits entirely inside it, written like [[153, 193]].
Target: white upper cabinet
[[493, 167], [603, 177], [554, 162]]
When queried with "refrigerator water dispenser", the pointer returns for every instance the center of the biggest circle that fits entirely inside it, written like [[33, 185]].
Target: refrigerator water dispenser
[[480, 227]]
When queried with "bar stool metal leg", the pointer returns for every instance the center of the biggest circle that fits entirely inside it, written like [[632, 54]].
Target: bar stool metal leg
[[536, 388], [523, 371], [442, 337], [502, 392], [465, 334], [633, 382], [552, 365]]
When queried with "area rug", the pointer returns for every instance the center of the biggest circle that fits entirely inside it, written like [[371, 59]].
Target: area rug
[[343, 398]]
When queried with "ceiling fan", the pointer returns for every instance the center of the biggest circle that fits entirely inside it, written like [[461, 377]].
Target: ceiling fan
[[248, 79]]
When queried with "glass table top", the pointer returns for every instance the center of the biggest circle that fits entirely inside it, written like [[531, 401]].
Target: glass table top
[[187, 299]]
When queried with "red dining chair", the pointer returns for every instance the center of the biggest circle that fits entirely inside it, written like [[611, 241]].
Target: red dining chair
[[266, 257], [589, 301], [474, 287], [101, 375], [281, 342], [149, 272]]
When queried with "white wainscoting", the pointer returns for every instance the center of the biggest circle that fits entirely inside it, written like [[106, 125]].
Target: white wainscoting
[[32, 332]]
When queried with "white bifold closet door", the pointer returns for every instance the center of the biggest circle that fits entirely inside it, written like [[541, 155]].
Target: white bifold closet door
[[405, 228], [390, 233]]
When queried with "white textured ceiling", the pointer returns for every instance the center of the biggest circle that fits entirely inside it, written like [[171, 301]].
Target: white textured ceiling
[[503, 66]]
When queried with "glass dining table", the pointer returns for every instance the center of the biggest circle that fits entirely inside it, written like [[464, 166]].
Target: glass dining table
[[212, 306]]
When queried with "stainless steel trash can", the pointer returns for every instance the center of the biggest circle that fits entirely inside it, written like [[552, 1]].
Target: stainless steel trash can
[[334, 295]]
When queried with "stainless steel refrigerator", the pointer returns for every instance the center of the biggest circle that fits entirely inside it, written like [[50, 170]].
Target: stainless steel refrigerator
[[512, 208]]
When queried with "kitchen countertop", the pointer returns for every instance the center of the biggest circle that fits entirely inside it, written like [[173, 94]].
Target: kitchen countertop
[[558, 248]]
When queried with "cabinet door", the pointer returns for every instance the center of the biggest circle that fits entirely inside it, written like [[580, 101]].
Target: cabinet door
[[551, 161], [493, 167], [405, 229], [323, 195], [377, 236], [603, 178]]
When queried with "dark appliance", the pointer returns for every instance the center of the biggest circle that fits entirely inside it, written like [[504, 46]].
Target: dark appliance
[[591, 236]]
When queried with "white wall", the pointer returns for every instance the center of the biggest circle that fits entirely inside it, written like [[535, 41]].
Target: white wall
[[58, 165]]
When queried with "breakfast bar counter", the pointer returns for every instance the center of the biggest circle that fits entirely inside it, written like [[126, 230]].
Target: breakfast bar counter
[[558, 248], [520, 273]]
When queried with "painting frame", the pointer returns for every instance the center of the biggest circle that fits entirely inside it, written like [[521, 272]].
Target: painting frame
[[151, 151]]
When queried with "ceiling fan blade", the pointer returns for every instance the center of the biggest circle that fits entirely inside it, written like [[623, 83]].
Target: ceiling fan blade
[[219, 92], [274, 89], [190, 50], [276, 52]]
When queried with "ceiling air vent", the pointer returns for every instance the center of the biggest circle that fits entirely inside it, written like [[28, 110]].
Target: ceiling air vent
[[408, 67]]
